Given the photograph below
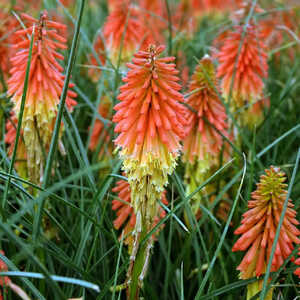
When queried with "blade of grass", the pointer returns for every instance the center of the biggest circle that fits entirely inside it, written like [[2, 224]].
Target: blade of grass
[[267, 274], [70, 280], [227, 288], [20, 118], [181, 283], [54, 139], [262, 152], [84, 161], [117, 267], [28, 205], [211, 265]]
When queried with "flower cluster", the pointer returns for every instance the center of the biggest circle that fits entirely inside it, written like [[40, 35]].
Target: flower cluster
[[259, 226], [206, 116], [207, 122], [243, 65], [150, 122], [44, 88]]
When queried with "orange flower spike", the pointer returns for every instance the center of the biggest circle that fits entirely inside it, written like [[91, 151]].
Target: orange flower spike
[[203, 142], [259, 226], [44, 86], [151, 123], [126, 217], [123, 28], [251, 67]]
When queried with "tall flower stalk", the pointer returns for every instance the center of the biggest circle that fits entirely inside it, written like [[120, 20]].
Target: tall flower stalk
[[243, 67], [150, 122], [44, 87], [207, 122], [259, 227]]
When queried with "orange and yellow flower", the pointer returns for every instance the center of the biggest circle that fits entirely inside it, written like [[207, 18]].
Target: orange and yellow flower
[[248, 64], [150, 122], [44, 86], [206, 114], [259, 225], [203, 143]]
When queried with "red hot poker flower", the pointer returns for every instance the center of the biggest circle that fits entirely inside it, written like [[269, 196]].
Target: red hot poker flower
[[251, 66], [44, 87], [203, 142], [259, 226], [149, 118], [150, 121], [184, 19]]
